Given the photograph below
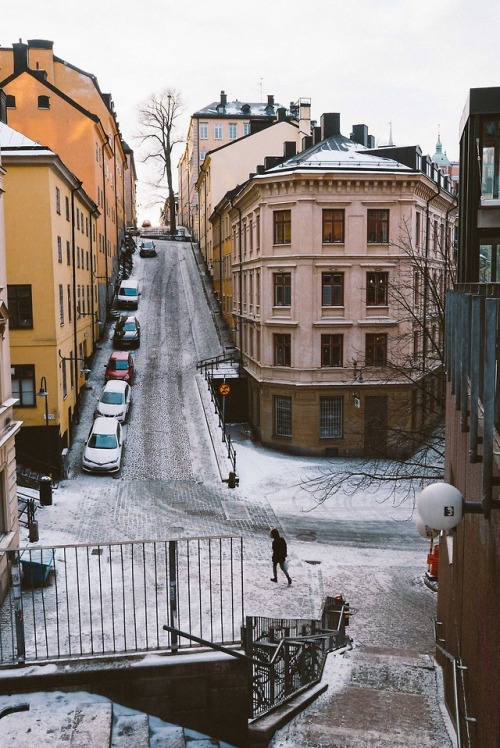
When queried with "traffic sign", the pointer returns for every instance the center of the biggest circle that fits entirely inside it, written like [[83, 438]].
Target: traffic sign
[[224, 389]]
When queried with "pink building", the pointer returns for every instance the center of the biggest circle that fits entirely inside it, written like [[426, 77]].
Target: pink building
[[330, 298]]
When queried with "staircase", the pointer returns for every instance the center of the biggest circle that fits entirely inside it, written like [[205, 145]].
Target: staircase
[[82, 720]]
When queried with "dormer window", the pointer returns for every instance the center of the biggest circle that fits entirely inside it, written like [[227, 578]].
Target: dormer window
[[10, 102], [43, 102], [245, 109]]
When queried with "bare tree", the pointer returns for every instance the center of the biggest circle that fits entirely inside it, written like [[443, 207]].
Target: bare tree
[[417, 298], [157, 121]]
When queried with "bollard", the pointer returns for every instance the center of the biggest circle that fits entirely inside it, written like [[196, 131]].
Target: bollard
[[33, 532], [45, 490]]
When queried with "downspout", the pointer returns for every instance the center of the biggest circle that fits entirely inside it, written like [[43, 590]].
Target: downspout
[[117, 135], [92, 304], [240, 283], [426, 277], [447, 247], [105, 222], [75, 306]]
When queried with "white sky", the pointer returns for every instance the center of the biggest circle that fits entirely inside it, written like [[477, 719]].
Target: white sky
[[374, 61]]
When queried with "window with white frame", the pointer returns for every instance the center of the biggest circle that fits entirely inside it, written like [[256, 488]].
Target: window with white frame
[[246, 128], [59, 249], [203, 130], [331, 417], [233, 131], [218, 131]]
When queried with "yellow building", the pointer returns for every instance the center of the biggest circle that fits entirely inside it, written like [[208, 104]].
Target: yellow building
[[9, 425], [51, 252], [56, 103]]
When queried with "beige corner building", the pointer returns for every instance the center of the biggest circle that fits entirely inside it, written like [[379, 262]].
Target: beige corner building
[[333, 320]]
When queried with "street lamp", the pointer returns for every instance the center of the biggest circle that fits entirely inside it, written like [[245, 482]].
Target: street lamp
[[42, 392]]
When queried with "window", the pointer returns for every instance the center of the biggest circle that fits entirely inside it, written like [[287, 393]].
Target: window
[[20, 307], [61, 305], [69, 301], [64, 379], [10, 102], [233, 131], [490, 160], [489, 260], [66, 202], [282, 415], [246, 128], [43, 102], [203, 130], [331, 417], [378, 226], [282, 289], [58, 200], [332, 350], [59, 249], [282, 226], [68, 253], [376, 289], [23, 384], [282, 350], [332, 289], [78, 219], [203, 155], [418, 228], [376, 349], [218, 131], [333, 226]]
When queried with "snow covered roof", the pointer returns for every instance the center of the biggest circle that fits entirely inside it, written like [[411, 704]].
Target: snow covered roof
[[338, 152], [11, 140], [239, 109]]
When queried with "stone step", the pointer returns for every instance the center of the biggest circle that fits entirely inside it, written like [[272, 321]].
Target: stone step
[[131, 731], [91, 725]]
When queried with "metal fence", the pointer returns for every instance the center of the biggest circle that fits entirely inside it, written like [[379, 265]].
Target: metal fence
[[74, 601], [289, 655]]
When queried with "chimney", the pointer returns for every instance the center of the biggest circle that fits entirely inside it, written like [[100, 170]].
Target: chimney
[[20, 57], [316, 134], [271, 161], [270, 99], [330, 125], [281, 114], [223, 98], [360, 134], [289, 149], [307, 142]]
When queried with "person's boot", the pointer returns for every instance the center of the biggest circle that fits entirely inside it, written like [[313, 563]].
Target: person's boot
[[273, 579], [289, 580]]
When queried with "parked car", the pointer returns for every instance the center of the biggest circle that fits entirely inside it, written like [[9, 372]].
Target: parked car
[[104, 446], [115, 400], [127, 333], [128, 294], [121, 365], [148, 249]]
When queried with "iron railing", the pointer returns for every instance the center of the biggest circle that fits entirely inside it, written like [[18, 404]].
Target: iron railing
[[76, 601], [289, 655]]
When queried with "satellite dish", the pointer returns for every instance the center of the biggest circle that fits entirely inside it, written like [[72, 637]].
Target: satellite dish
[[440, 505]]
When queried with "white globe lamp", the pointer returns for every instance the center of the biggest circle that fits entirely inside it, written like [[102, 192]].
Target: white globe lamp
[[440, 506], [424, 530]]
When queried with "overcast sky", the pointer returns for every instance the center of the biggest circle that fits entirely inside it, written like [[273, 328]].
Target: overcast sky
[[375, 61]]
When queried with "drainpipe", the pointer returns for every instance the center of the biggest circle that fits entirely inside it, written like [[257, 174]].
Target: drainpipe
[[75, 305], [426, 278], [105, 221], [447, 247], [240, 283]]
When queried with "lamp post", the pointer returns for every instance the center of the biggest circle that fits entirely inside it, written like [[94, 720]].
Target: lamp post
[[42, 392]]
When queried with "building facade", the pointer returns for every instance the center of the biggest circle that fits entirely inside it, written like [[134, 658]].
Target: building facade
[[9, 422], [469, 566], [333, 320], [53, 102], [215, 125], [52, 295]]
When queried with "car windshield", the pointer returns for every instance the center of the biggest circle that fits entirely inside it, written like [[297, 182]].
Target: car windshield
[[103, 441], [129, 291], [148, 245], [118, 365], [128, 326], [112, 398]]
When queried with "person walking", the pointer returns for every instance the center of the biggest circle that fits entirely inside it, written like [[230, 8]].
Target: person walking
[[280, 553]]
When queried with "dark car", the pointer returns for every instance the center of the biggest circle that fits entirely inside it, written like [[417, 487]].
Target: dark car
[[148, 249], [127, 333], [121, 365]]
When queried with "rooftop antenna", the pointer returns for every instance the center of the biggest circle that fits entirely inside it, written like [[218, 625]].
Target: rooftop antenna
[[390, 134], [260, 84]]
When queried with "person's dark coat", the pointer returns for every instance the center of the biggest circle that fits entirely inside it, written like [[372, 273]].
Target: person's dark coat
[[279, 550]]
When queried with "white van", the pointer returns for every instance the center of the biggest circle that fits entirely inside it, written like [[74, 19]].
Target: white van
[[128, 295]]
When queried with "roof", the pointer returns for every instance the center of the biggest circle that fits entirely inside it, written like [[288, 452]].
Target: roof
[[338, 152], [12, 140], [243, 109]]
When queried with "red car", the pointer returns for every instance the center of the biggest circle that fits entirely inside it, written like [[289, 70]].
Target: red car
[[120, 365]]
